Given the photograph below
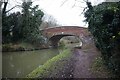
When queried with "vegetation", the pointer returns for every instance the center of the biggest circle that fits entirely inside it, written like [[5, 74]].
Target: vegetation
[[100, 70], [62, 44], [104, 24], [22, 46], [49, 67], [22, 26]]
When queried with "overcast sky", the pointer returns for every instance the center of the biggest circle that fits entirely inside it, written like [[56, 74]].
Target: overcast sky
[[68, 13]]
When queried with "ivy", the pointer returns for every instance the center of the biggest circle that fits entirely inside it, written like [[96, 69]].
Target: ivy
[[104, 24]]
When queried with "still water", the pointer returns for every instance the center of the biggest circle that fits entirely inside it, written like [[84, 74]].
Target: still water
[[19, 64]]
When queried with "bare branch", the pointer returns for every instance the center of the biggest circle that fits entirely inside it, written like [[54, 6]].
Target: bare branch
[[17, 2], [73, 6], [85, 0], [83, 11], [79, 1], [63, 3], [34, 0], [78, 6], [13, 8], [76, 1]]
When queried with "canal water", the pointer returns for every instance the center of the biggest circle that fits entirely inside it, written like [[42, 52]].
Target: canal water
[[19, 64]]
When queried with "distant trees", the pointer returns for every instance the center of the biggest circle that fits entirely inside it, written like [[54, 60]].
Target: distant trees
[[22, 25], [49, 21], [104, 24]]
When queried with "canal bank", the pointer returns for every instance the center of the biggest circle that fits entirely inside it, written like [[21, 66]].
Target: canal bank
[[15, 47], [56, 67]]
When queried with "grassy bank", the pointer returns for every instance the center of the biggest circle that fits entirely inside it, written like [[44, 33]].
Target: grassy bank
[[22, 46], [100, 70], [51, 66]]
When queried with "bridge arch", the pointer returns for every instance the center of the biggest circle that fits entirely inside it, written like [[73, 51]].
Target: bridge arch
[[54, 40], [56, 33]]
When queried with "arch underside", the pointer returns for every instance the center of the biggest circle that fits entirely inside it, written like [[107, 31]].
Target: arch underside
[[56, 38]]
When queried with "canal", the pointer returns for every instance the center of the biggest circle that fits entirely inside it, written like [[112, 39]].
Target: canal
[[19, 64]]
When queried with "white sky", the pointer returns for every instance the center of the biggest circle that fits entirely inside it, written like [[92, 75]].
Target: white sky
[[65, 14]]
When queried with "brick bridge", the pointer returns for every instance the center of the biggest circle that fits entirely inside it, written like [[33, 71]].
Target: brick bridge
[[56, 33]]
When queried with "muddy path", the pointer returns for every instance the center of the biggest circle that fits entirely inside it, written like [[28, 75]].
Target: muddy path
[[83, 60]]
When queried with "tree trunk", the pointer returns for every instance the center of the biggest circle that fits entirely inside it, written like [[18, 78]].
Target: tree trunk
[[4, 8]]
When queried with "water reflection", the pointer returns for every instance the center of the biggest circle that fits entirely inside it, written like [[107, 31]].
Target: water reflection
[[19, 64]]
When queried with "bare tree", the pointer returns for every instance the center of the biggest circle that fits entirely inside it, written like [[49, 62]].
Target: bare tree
[[5, 6], [49, 21], [5, 3], [75, 1]]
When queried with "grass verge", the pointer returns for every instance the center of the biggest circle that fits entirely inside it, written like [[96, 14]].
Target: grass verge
[[100, 70], [50, 65]]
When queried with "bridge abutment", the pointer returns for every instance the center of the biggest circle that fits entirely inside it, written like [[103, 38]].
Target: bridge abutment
[[54, 42]]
